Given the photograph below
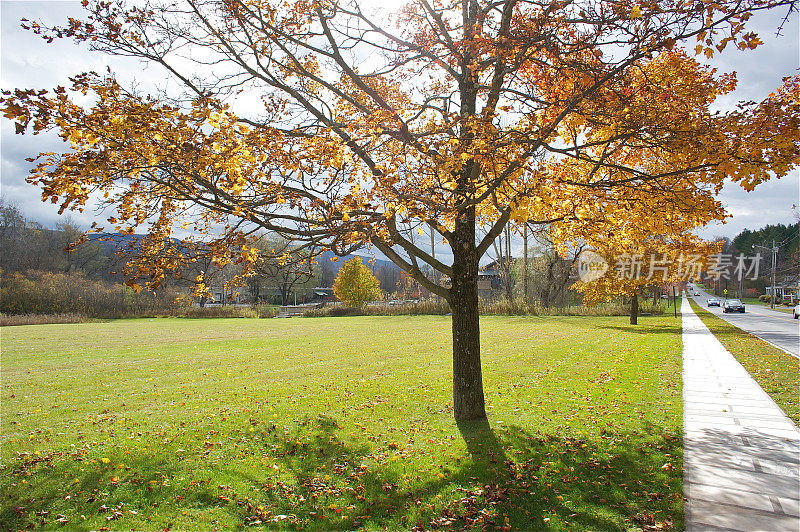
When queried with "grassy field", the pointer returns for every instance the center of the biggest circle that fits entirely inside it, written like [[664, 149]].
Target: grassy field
[[340, 423], [775, 371]]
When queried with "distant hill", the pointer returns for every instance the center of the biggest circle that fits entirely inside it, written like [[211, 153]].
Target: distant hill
[[111, 242], [373, 263], [785, 236]]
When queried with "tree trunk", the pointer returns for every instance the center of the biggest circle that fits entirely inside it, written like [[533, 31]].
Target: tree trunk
[[468, 400], [635, 308], [284, 295], [674, 302]]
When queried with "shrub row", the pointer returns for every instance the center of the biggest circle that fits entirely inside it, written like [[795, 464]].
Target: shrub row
[[505, 307], [778, 301], [501, 307], [230, 311], [263, 311], [425, 307], [751, 292], [40, 319], [48, 297], [50, 293]]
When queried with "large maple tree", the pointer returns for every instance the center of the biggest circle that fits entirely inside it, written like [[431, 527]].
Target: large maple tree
[[316, 120]]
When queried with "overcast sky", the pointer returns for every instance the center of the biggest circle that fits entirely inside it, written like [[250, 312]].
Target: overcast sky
[[28, 62]]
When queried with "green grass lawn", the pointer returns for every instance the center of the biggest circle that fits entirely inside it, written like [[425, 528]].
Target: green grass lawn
[[340, 423], [775, 371]]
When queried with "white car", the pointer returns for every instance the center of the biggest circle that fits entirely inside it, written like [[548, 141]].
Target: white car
[[796, 312]]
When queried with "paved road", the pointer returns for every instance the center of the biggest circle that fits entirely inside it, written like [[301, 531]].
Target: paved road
[[778, 328], [741, 453]]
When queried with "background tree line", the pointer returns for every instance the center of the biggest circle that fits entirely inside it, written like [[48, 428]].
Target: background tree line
[[47, 271], [751, 242], [44, 271], [28, 245], [56, 270]]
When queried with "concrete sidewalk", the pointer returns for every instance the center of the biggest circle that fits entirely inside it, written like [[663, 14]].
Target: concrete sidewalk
[[741, 453]]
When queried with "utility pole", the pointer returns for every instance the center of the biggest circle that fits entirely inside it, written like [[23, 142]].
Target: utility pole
[[434, 274], [774, 251], [433, 253], [509, 292], [774, 260], [741, 289]]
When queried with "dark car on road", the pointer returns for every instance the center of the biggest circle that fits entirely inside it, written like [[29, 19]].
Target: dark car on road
[[712, 302], [733, 305]]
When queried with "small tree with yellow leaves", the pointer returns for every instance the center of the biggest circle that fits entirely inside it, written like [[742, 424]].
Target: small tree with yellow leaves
[[356, 285]]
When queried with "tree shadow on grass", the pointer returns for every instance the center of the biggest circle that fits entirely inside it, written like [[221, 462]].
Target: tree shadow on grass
[[644, 328], [531, 481], [72, 491], [330, 484], [613, 482], [314, 479], [310, 479]]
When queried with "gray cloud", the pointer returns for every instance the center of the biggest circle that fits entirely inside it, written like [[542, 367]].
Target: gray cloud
[[759, 72], [772, 202], [27, 61]]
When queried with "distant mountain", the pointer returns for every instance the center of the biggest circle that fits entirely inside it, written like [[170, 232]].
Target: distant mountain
[[373, 262], [111, 242]]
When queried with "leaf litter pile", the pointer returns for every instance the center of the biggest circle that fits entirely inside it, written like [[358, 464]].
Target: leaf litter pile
[[340, 423]]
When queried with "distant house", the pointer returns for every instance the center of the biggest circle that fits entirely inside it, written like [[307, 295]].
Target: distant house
[[490, 282], [221, 296], [321, 295], [490, 279], [788, 289]]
